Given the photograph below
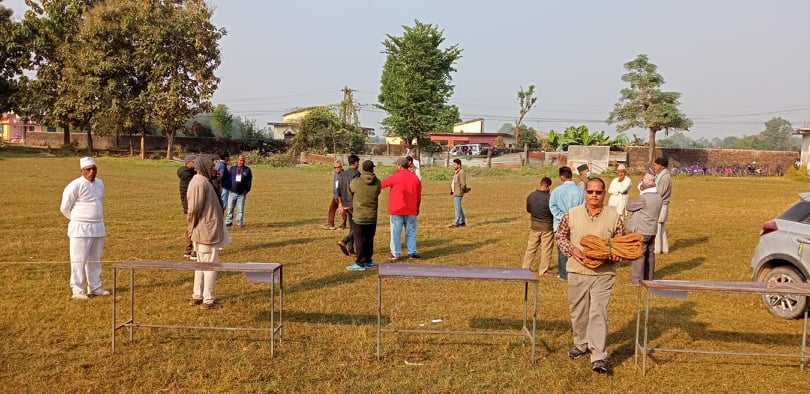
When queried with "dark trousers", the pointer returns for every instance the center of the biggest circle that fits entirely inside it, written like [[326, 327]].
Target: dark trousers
[[643, 268], [348, 240], [364, 241], [330, 218]]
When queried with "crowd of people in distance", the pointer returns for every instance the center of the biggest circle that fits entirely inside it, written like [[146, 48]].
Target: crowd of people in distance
[[745, 169]]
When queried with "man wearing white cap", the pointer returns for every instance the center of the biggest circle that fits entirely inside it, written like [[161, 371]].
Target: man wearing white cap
[[619, 190], [81, 204]]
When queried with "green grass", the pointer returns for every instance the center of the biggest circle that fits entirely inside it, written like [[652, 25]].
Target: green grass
[[51, 343]]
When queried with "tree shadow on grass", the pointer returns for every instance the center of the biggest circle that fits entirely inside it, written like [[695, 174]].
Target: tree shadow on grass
[[685, 243], [295, 223], [678, 266], [543, 326], [496, 221], [277, 244], [450, 246]]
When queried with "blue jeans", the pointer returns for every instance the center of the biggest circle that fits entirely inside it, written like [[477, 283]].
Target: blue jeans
[[397, 222], [562, 259], [459, 210], [224, 196], [237, 200]]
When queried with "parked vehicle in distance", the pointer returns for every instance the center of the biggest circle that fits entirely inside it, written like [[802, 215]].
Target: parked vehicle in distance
[[481, 149], [780, 257]]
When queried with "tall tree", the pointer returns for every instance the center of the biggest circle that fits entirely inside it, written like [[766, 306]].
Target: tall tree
[[643, 104], [222, 121], [182, 79], [48, 27], [527, 101], [12, 57], [416, 83], [322, 130], [778, 134]]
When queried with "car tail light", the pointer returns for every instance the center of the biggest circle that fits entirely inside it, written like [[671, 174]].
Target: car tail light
[[768, 227]]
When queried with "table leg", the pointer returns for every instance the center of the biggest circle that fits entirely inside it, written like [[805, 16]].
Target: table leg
[[131, 302], [272, 313], [379, 314], [804, 339], [280, 303], [113, 308], [526, 310], [644, 348], [534, 324]]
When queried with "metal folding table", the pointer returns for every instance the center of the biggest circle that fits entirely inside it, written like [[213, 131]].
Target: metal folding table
[[261, 272], [680, 288], [425, 271]]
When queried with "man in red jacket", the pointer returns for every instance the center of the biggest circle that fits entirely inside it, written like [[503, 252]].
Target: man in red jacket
[[403, 206]]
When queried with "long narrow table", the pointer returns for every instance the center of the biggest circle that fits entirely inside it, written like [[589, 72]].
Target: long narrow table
[[261, 272], [680, 288], [424, 271]]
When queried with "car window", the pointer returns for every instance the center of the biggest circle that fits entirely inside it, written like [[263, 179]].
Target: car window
[[799, 212]]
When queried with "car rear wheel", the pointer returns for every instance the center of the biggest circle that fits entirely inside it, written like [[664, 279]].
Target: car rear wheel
[[784, 306]]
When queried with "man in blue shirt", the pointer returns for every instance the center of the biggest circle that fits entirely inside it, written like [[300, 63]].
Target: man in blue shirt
[[563, 198]]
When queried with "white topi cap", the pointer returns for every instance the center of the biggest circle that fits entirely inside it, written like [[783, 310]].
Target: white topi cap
[[87, 162]]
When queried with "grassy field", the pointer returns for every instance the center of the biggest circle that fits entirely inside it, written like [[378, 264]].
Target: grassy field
[[54, 344]]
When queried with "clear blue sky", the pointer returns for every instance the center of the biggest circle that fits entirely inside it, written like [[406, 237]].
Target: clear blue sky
[[736, 63]]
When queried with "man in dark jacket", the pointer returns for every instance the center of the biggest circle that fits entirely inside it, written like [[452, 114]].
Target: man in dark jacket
[[365, 193], [241, 182], [345, 202], [185, 173], [541, 234]]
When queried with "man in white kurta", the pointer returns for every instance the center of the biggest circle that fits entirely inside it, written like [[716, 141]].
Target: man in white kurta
[[619, 190], [81, 204]]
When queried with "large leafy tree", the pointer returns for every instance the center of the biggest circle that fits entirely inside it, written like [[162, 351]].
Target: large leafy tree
[[526, 136], [321, 130], [185, 45], [778, 134], [46, 30], [143, 64], [222, 121], [416, 83], [643, 104], [12, 57], [117, 66]]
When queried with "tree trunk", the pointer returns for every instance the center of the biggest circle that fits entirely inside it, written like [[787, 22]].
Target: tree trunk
[[526, 153], [89, 142], [651, 155], [170, 140], [66, 134], [143, 146], [517, 133]]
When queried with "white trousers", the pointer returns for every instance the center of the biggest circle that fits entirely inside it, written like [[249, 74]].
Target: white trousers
[[204, 281], [85, 260], [661, 240]]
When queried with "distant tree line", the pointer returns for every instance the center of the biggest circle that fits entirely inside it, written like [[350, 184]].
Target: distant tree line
[[777, 135]]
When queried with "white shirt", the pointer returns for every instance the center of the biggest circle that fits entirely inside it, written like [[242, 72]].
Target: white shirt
[[416, 168], [619, 192], [81, 203]]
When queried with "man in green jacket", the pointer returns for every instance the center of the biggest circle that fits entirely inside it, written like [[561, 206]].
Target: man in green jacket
[[365, 191]]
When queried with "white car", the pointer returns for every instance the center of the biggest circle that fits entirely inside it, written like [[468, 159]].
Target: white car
[[781, 257]]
